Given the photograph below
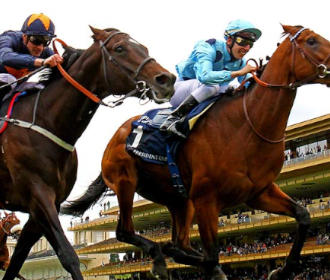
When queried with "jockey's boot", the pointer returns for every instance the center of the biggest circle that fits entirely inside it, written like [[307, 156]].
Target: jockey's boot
[[170, 124]]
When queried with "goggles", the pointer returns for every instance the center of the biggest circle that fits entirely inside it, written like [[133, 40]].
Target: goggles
[[243, 42], [40, 40]]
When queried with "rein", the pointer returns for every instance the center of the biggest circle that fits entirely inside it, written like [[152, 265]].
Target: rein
[[140, 86], [253, 127], [322, 72], [72, 81]]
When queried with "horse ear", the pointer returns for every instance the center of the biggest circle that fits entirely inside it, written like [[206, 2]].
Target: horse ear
[[286, 28], [97, 33], [6, 214]]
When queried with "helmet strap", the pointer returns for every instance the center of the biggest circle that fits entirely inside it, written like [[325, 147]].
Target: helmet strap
[[25, 39], [230, 47]]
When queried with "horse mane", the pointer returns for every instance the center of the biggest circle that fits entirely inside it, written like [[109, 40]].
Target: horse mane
[[110, 29], [70, 55]]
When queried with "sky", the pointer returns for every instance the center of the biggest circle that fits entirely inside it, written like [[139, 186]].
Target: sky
[[169, 29]]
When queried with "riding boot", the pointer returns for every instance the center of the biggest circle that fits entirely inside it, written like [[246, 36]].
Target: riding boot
[[170, 124]]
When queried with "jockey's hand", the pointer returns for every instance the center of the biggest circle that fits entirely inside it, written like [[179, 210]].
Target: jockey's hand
[[245, 70], [53, 60], [248, 69]]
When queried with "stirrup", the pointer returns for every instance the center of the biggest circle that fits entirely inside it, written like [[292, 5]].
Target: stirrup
[[172, 129], [168, 122]]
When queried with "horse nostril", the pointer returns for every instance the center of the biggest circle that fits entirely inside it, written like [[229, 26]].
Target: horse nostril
[[165, 79]]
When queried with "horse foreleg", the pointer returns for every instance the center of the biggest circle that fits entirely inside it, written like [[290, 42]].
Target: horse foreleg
[[45, 214], [29, 236], [125, 229], [207, 211], [273, 200], [180, 249]]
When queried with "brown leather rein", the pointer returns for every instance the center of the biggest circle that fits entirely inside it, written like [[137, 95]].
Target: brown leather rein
[[322, 72], [140, 86]]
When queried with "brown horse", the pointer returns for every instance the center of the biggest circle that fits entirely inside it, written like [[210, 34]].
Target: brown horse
[[38, 163], [232, 156], [8, 227]]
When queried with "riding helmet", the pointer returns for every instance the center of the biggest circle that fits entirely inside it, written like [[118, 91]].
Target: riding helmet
[[38, 24], [239, 25]]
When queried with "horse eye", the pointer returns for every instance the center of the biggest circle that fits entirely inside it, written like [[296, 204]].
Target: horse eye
[[311, 41], [119, 49]]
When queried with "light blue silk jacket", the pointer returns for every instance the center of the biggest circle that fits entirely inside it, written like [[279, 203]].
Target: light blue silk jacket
[[210, 63]]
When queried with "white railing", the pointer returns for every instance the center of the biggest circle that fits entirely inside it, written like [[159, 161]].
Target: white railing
[[310, 157]]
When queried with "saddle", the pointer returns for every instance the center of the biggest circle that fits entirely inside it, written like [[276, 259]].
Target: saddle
[[149, 143]]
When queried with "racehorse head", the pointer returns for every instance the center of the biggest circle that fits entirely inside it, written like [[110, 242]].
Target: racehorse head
[[310, 55], [126, 57], [10, 225]]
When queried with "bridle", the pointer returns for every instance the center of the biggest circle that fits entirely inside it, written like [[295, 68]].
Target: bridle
[[140, 86], [321, 72], [321, 69]]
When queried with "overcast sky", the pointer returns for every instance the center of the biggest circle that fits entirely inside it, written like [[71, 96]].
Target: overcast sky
[[169, 29]]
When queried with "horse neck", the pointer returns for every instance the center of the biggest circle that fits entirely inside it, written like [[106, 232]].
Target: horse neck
[[269, 108], [68, 110]]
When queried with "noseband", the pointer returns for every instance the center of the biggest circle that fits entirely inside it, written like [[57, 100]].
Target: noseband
[[140, 86]]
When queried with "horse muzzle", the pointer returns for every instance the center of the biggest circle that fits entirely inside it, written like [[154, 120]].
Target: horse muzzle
[[15, 231], [162, 87]]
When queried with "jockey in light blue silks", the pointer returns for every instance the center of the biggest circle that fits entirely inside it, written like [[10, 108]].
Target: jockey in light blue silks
[[209, 69]]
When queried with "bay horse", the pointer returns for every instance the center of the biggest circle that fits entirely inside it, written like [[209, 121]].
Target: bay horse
[[232, 156], [8, 227], [38, 162]]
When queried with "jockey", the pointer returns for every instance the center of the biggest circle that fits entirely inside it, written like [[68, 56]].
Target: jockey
[[23, 51], [209, 69]]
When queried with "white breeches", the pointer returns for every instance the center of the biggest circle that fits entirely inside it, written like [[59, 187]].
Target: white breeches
[[197, 89]]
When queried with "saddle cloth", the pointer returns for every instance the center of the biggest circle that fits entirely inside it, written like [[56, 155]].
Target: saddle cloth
[[153, 145]]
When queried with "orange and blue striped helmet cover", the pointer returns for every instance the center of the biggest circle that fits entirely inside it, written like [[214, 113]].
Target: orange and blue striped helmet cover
[[38, 24]]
